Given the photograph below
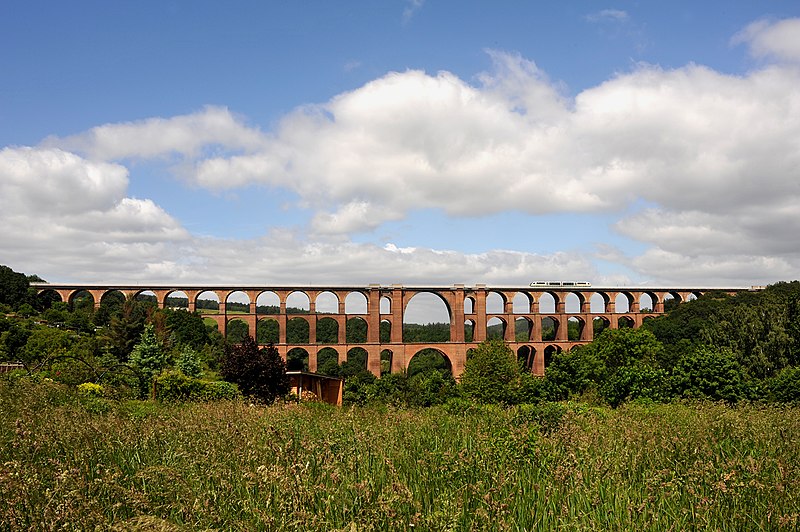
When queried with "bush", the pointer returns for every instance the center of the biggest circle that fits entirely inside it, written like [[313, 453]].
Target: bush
[[491, 374], [174, 386], [548, 416], [260, 374], [785, 386], [709, 373], [636, 382]]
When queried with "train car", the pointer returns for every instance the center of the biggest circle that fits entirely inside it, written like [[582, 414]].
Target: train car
[[569, 284]]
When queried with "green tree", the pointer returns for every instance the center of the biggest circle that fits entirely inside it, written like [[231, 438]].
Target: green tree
[[189, 362], [260, 374], [710, 373], [186, 328], [491, 374], [149, 356], [13, 287]]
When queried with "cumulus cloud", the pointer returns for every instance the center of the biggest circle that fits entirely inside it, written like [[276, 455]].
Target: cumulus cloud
[[778, 39], [185, 135], [716, 157]]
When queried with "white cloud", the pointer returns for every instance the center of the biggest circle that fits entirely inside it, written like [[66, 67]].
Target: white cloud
[[412, 6], [778, 39], [608, 15]]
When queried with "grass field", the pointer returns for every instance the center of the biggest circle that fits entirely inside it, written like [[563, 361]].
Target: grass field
[[74, 463]]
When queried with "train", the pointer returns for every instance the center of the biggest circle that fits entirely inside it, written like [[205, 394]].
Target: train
[[570, 284]]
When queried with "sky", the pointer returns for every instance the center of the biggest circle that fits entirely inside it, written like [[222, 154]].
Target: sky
[[414, 142]]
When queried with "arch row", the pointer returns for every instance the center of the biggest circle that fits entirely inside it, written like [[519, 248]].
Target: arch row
[[533, 319]]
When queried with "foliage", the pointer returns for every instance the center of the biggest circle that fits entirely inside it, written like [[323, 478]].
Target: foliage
[[90, 389], [785, 387], [148, 356], [260, 374], [187, 328], [189, 362], [491, 374], [710, 373], [175, 386], [13, 287]]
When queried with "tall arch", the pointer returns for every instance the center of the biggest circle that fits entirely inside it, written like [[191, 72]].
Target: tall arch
[[426, 313], [355, 303], [326, 303], [268, 303]]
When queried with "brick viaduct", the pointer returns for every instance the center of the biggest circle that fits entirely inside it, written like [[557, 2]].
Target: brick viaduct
[[521, 311]]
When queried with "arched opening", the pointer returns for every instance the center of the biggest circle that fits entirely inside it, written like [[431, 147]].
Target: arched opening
[[356, 362], [207, 302], [46, 298], [575, 329], [386, 361], [495, 303], [386, 305], [469, 305], [112, 300], [355, 303], [522, 329], [328, 362], [693, 296], [175, 300], [236, 331], [469, 330], [521, 304], [622, 303], [426, 319], [646, 302], [525, 355], [297, 359], [671, 300], [356, 331], [625, 322], [547, 303], [597, 303], [268, 303], [268, 331], [326, 303], [297, 331], [549, 328], [599, 324], [572, 303], [386, 331], [427, 361], [82, 301], [327, 331], [549, 352], [495, 328], [298, 303], [237, 303]]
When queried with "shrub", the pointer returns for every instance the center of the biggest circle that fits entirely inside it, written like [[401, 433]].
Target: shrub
[[491, 373], [90, 389], [709, 373], [174, 386], [785, 386], [260, 374]]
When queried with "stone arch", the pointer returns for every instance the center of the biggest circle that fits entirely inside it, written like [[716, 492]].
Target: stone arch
[[625, 322], [573, 302], [523, 328], [236, 330], [81, 300], [623, 302], [297, 359], [426, 307], [599, 324], [176, 299], [525, 357], [469, 330], [575, 328], [356, 331], [268, 331], [495, 303], [328, 361], [299, 303], [598, 303], [327, 331], [237, 302], [549, 328], [429, 359], [356, 303], [356, 361], [326, 303], [647, 302], [45, 298], [385, 305], [268, 303], [496, 328], [521, 304], [297, 330], [387, 357], [548, 303], [112, 298], [549, 352], [385, 331], [469, 305], [671, 300], [207, 302]]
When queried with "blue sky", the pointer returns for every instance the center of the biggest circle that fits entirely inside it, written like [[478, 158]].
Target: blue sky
[[415, 142]]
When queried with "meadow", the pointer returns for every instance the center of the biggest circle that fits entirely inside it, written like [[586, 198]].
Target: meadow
[[75, 462]]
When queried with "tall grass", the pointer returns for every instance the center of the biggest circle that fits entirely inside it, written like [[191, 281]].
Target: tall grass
[[66, 463]]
